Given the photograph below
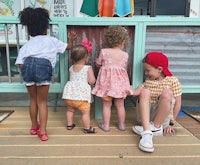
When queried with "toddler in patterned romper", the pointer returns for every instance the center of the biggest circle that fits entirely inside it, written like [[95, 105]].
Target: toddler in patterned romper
[[159, 100], [77, 91]]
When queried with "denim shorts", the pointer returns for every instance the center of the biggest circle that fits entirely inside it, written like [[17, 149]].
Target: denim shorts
[[36, 71]]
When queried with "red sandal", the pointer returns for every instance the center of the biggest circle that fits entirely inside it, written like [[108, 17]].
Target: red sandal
[[42, 136], [33, 131]]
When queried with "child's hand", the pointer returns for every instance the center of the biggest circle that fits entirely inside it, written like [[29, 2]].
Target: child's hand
[[169, 130], [72, 36], [132, 92]]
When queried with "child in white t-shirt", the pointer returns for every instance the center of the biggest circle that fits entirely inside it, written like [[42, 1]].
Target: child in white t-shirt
[[36, 59]]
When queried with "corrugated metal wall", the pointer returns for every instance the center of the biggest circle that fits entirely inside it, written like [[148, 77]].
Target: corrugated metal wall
[[95, 35], [182, 46]]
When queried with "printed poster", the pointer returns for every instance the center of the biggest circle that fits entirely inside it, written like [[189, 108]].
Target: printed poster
[[56, 8]]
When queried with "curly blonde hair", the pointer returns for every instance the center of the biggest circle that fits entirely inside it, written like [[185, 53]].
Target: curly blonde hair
[[115, 36]]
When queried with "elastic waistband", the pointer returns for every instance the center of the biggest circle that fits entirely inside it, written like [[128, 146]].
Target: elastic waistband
[[36, 59]]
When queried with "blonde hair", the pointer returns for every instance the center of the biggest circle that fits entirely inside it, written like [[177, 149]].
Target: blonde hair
[[115, 36]]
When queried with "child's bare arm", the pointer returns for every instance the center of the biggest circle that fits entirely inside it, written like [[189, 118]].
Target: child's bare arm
[[177, 106], [137, 91], [71, 37], [169, 129], [91, 77]]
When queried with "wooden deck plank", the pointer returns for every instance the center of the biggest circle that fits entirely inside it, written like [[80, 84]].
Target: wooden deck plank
[[17, 147], [100, 161], [95, 140], [78, 131], [81, 150]]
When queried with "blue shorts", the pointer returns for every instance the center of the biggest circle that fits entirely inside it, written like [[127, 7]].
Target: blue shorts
[[36, 71]]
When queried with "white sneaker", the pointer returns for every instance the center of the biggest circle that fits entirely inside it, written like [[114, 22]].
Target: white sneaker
[[156, 131], [146, 142]]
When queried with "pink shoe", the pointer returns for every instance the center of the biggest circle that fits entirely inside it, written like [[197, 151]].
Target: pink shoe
[[101, 126]]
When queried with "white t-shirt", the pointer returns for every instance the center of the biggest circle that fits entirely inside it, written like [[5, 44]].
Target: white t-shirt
[[41, 46]]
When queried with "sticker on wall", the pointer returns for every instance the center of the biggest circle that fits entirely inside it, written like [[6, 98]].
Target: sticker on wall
[[9, 8]]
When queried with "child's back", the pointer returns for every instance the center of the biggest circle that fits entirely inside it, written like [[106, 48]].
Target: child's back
[[77, 88], [115, 56], [112, 79]]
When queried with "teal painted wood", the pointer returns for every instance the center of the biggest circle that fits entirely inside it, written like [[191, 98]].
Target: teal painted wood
[[63, 57], [140, 23], [98, 108], [139, 47], [20, 88]]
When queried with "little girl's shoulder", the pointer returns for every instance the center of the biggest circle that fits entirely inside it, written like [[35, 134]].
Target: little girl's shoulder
[[86, 67], [105, 50]]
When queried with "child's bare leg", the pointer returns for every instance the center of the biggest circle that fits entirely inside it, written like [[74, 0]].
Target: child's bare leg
[[106, 113], [33, 109], [163, 107], [144, 108], [70, 116], [119, 103], [42, 96], [86, 118]]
